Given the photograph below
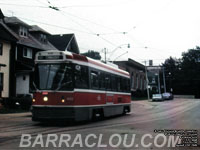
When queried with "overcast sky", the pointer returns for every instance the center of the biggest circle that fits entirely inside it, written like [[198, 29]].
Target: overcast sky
[[155, 29]]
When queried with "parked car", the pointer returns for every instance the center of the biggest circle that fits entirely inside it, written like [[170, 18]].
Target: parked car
[[157, 97], [167, 96]]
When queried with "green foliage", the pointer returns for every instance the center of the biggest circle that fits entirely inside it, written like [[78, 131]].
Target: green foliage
[[191, 62], [92, 54], [183, 75]]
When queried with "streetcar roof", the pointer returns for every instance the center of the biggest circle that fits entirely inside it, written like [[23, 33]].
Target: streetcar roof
[[76, 58]]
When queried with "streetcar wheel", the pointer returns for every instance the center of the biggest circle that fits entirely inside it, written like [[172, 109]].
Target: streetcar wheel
[[97, 114], [126, 110]]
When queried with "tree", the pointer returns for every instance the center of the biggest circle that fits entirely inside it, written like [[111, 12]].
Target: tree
[[190, 68], [92, 54], [183, 75], [171, 68]]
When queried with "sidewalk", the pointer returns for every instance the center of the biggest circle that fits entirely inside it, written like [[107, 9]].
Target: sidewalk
[[4, 110]]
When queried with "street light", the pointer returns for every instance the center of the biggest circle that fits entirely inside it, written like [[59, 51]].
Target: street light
[[111, 53], [120, 56]]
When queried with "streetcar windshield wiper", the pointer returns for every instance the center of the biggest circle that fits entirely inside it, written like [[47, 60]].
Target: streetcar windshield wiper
[[63, 84], [34, 85]]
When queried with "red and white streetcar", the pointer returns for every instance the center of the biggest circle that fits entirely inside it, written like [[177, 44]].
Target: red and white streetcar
[[72, 86]]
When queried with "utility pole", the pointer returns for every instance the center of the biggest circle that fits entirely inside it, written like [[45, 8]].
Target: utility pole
[[164, 80], [159, 82], [147, 80], [105, 51]]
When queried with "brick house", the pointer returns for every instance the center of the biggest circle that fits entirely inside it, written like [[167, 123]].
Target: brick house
[[137, 74]]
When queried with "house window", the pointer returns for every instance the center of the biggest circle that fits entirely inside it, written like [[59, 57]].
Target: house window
[[1, 49], [43, 38], [141, 79], [137, 81], [1, 81], [23, 31], [153, 80], [27, 52], [132, 81]]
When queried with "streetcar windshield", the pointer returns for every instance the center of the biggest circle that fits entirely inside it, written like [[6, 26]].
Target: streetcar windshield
[[53, 77]]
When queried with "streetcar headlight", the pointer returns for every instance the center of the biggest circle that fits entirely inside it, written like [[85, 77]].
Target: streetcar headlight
[[33, 100], [45, 99], [63, 100]]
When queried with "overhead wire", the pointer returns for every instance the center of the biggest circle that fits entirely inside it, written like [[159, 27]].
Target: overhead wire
[[53, 25], [20, 5], [84, 26], [99, 34], [72, 15], [91, 32], [57, 8], [100, 5], [41, 2]]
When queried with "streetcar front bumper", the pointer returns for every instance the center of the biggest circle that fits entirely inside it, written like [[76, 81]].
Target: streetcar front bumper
[[45, 113]]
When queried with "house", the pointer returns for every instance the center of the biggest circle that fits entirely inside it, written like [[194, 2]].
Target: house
[[1, 76], [19, 42], [65, 42], [154, 78], [137, 75]]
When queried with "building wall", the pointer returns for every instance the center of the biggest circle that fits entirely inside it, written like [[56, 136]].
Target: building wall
[[22, 84], [138, 78], [5, 59]]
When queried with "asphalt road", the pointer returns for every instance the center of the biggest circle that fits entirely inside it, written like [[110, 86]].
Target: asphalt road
[[144, 128]]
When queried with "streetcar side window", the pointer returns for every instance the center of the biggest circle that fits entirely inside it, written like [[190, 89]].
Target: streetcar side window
[[124, 85], [114, 82], [94, 80], [128, 85], [102, 83], [108, 82], [100, 80], [81, 77], [120, 84]]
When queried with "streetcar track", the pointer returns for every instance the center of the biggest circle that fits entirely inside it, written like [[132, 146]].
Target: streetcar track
[[14, 125], [74, 128], [51, 128], [19, 129]]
